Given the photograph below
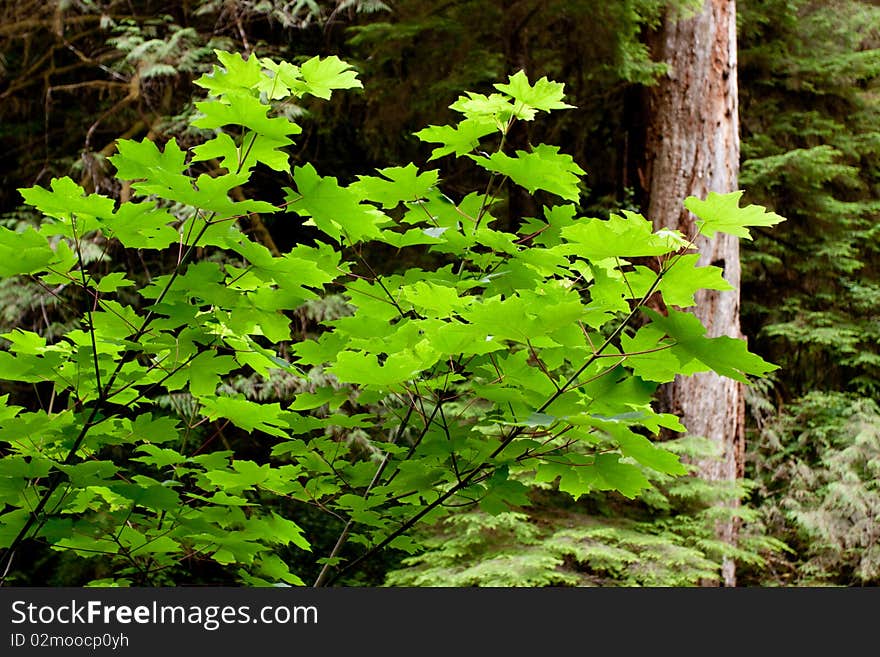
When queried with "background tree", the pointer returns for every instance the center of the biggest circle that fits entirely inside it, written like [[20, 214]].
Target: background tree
[[692, 147]]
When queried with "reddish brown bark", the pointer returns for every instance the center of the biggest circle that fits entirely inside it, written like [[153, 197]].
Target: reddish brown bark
[[692, 149]]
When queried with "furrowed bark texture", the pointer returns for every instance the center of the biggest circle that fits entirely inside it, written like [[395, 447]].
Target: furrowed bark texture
[[692, 149]]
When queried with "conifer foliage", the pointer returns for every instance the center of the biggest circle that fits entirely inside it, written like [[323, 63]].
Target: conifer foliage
[[809, 76], [810, 142]]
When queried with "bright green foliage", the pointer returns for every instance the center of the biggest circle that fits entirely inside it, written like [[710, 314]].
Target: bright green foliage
[[543, 95], [503, 364], [713, 215], [460, 140], [684, 278], [697, 353], [420, 55], [544, 168]]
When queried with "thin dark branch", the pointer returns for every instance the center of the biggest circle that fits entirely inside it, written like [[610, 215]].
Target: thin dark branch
[[514, 433]]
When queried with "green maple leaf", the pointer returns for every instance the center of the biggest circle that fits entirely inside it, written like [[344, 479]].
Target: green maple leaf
[[26, 252], [333, 209], [205, 370], [160, 430], [397, 184], [285, 78], [141, 226], [292, 273], [720, 213], [161, 173], [158, 456], [247, 415], [503, 493], [544, 168], [243, 475], [31, 369], [364, 368], [543, 95], [640, 448], [495, 107], [273, 567], [258, 148], [322, 350], [241, 108], [616, 391], [237, 74], [65, 198], [152, 496], [602, 472], [282, 530], [570, 480], [440, 299], [660, 366], [143, 160], [7, 411], [87, 545], [456, 338], [684, 278], [727, 356], [461, 139], [90, 473], [569, 477], [212, 194], [221, 147], [306, 401], [626, 236], [268, 151], [608, 473], [321, 76], [18, 466], [10, 524], [412, 237], [156, 544], [112, 282]]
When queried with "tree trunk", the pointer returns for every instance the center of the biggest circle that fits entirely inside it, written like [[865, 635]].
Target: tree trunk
[[692, 148]]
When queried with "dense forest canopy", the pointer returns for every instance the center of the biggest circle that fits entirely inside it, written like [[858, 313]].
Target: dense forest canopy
[[105, 94]]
